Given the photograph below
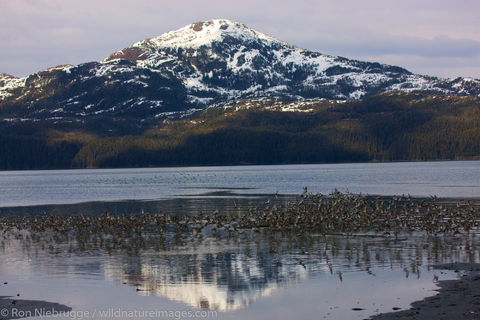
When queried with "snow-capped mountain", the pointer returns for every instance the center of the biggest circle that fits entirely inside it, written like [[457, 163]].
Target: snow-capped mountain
[[200, 65]]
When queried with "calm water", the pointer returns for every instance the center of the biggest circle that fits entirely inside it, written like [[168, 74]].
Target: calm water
[[444, 179], [245, 277], [262, 277]]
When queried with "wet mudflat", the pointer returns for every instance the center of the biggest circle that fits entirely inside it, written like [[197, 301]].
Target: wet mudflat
[[243, 264]]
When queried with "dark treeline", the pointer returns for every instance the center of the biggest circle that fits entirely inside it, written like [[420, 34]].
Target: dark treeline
[[387, 127]]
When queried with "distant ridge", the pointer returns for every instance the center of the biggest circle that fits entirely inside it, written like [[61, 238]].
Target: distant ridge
[[210, 63]]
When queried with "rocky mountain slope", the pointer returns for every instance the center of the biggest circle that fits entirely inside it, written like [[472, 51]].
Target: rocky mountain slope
[[204, 64]]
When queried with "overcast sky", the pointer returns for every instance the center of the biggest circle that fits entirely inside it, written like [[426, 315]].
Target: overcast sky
[[435, 37]]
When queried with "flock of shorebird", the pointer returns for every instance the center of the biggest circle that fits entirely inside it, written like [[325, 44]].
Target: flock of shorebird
[[311, 213]]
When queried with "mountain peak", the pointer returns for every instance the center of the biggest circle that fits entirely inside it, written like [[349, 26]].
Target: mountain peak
[[205, 64], [203, 33], [214, 23]]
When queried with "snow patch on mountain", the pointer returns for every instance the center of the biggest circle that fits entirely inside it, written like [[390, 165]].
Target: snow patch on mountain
[[203, 34], [64, 67], [221, 61], [8, 84]]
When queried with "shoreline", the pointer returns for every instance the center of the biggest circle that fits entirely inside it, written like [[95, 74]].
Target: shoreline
[[456, 299], [458, 159]]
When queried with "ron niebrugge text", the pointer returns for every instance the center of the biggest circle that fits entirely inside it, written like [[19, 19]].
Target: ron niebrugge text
[[112, 313]]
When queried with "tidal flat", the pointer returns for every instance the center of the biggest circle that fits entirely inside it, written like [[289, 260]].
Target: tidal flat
[[272, 256]]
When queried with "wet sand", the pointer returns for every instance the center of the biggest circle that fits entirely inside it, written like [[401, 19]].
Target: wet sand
[[16, 308], [456, 299]]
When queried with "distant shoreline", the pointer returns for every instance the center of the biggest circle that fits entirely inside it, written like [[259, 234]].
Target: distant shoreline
[[459, 159]]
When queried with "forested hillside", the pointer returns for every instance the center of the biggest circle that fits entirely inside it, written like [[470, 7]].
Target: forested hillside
[[387, 127]]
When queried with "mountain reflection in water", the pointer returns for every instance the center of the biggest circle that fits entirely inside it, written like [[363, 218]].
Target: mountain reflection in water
[[228, 273]]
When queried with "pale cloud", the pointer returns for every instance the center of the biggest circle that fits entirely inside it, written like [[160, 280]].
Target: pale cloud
[[438, 36], [447, 67], [381, 44]]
